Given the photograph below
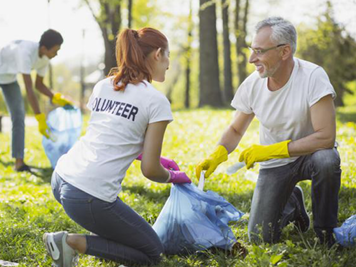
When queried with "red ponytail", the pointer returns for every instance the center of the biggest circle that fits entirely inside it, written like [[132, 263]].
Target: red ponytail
[[132, 50]]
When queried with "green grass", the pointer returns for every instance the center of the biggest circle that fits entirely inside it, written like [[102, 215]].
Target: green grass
[[28, 209]]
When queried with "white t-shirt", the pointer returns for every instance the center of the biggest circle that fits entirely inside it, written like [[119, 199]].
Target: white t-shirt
[[21, 57], [98, 162], [284, 114]]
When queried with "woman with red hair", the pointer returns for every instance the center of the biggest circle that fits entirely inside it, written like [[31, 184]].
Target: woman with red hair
[[128, 120]]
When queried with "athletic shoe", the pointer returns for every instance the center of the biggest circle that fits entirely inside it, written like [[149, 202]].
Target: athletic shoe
[[61, 253], [302, 221], [24, 168], [326, 237]]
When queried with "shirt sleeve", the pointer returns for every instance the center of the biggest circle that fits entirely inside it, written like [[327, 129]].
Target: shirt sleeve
[[42, 71], [320, 86], [90, 102], [92, 97], [241, 101], [160, 109]]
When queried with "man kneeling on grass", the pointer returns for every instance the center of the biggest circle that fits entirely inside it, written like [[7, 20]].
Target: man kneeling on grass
[[297, 132]]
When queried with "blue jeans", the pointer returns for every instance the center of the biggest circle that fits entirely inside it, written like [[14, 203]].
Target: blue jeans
[[274, 206], [15, 106], [121, 234]]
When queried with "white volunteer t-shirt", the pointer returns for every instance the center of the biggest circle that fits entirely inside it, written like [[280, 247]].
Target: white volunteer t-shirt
[[284, 114], [20, 57], [98, 162]]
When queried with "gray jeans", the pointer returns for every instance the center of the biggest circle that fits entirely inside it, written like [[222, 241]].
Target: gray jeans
[[16, 108], [273, 205], [121, 234]]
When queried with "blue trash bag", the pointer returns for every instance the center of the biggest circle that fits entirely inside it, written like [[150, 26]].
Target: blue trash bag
[[193, 220], [65, 125], [346, 234]]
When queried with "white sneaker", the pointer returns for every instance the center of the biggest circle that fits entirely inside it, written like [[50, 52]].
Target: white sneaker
[[61, 253]]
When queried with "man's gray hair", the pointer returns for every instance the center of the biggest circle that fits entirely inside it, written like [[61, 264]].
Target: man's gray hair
[[283, 32]]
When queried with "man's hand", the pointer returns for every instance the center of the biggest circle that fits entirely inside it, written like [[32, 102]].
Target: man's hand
[[60, 100], [258, 153], [211, 163], [42, 125]]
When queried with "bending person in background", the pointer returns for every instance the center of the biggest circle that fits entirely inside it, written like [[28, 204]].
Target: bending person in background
[[20, 57], [293, 101], [128, 116]]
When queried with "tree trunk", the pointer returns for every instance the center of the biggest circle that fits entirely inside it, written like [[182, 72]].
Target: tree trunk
[[240, 31], [228, 89], [110, 28], [187, 85], [243, 64], [177, 67], [109, 58], [208, 57], [109, 21], [173, 82], [129, 7]]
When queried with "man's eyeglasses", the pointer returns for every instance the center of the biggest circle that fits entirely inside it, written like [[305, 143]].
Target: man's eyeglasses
[[260, 52]]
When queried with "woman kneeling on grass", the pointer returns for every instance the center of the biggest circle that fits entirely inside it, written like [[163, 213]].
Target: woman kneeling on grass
[[128, 116]]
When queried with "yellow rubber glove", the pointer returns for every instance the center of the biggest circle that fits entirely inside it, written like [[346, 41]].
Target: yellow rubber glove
[[42, 124], [210, 164], [258, 153], [59, 99]]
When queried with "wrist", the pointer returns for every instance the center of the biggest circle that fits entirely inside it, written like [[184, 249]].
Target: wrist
[[220, 154], [169, 176], [54, 97], [139, 157], [40, 116], [280, 150], [285, 150]]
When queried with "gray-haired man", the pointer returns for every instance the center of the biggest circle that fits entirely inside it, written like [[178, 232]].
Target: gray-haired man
[[294, 105]]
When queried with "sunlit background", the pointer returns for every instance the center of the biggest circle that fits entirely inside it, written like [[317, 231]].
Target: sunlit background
[[83, 47]]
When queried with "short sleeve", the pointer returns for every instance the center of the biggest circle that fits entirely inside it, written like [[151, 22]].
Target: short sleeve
[[320, 86], [93, 96], [240, 101], [42, 71], [90, 101], [159, 109]]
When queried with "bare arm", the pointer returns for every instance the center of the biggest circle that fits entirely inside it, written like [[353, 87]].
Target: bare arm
[[40, 86], [150, 163], [233, 134], [31, 94], [323, 120]]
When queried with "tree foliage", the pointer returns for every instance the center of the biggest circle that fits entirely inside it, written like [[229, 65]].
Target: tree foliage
[[331, 47], [146, 13]]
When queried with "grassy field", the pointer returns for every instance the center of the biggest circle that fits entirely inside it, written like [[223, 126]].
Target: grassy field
[[28, 209]]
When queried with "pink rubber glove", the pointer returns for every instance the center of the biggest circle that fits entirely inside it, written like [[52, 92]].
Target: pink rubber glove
[[177, 177], [167, 163]]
